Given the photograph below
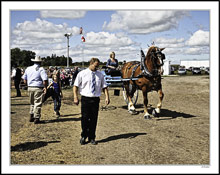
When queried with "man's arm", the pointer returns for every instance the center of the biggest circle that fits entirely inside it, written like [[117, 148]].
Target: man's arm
[[45, 83], [107, 99], [75, 95], [25, 82]]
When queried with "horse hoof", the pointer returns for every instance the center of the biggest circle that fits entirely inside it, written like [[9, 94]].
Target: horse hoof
[[154, 113], [133, 112], [147, 117]]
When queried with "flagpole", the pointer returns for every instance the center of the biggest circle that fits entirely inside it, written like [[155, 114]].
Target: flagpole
[[82, 40], [82, 55], [67, 35]]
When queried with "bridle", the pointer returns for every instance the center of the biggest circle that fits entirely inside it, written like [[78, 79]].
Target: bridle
[[155, 56]]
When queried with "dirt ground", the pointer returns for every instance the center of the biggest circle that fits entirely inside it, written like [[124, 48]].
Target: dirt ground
[[180, 136]]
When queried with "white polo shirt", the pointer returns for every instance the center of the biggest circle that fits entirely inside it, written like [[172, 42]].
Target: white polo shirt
[[35, 75], [84, 82]]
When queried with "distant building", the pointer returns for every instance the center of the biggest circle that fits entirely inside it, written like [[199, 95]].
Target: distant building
[[195, 63], [166, 67]]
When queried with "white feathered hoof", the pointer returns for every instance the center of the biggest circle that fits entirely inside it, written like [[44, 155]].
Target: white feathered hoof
[[133, 112], [147, 117], [154, 113]]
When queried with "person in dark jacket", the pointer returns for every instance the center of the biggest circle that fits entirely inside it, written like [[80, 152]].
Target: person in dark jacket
[[16, 75], [57, 94]]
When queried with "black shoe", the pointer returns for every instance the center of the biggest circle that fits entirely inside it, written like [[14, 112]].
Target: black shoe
[[82, 141], [31, 118], [93, 142], [36, 120], [57, 114]]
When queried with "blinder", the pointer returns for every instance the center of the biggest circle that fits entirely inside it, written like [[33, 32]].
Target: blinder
[[158, 55]]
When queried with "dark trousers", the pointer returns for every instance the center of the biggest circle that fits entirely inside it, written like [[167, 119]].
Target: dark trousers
[[57, 101], [17, 84], [89, 110]]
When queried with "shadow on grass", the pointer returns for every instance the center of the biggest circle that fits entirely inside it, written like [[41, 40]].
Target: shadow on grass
[[173, 114], [165, 114], [121, 136], [61, 120], [30, 145], [19, 104]]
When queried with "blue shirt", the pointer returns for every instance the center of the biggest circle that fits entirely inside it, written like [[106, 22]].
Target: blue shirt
[[111, 63], [56, 87], [35, 75]]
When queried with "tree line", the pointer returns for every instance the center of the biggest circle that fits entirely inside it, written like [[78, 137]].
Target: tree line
[[22, 58]]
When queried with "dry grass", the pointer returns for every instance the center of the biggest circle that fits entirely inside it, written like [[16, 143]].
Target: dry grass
[[180, 136]]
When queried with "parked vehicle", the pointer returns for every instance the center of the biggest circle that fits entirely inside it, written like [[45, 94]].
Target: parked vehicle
[[196, 70], [207, 70], [190, 68], [182, 71], [202, 68]]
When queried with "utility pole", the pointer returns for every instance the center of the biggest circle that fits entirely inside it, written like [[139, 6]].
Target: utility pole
[[67, 35]]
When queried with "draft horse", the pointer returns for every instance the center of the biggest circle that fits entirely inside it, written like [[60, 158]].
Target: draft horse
[[148, 72]]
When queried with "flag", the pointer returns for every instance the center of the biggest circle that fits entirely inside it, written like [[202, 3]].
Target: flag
[[83, 39], [81, 31]]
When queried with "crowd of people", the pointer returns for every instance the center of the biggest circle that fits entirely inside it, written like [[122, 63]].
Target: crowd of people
[[66, 76]]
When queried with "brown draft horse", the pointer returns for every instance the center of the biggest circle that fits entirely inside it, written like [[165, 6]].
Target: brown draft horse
[[148, 72]]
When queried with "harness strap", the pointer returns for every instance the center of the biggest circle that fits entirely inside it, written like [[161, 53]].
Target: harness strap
[[133, 71], [133, 63], [144, 69]]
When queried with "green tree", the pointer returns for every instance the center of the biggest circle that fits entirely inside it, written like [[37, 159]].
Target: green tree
[[21, 57]]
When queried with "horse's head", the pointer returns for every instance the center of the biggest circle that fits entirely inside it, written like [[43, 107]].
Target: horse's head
[[156, 56]]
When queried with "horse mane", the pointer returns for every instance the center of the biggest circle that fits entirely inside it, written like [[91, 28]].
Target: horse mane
[[150, 50]]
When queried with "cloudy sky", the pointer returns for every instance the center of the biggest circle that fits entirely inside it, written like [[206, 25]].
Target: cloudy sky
[[184, 33]]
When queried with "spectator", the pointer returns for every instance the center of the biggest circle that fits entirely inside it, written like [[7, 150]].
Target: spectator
[[56, 72], [16, 76], [36, 79], [57, 94], [76, 71], [112, 64]]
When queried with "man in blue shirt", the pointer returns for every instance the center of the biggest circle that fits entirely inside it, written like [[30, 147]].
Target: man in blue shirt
[[36, 79]]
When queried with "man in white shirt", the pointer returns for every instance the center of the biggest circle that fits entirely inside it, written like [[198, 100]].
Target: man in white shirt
[[36, 79], [90, 83]]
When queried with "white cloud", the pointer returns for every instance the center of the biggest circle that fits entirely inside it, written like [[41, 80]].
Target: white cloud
[[169, 42], [144, 22], [67, 14], [101, 44], [197, 50], [45, 38], [104, 39], [162, 40], [40, 33], [199, 38]]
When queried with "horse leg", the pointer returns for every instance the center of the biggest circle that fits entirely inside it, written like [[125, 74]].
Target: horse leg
[[156, 111], [130, 105], [129, 94], [146, 115]]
